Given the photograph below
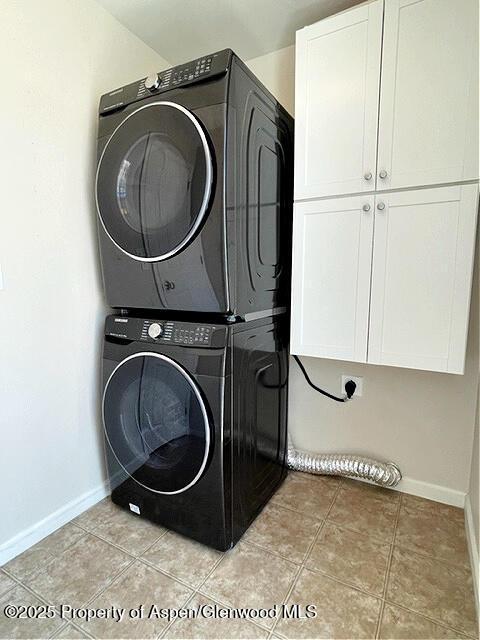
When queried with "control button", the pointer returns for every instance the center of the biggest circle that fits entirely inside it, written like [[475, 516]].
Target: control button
[[155, 330], [152, 82]]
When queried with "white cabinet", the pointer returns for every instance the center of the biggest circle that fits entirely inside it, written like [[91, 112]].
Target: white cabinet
[[331, 277], [428, 128], [406, 305], [421, 277], [336, 103], [426, 105], [386, 184]]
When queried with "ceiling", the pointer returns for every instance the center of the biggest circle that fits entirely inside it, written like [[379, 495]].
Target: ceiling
[[180, 30]]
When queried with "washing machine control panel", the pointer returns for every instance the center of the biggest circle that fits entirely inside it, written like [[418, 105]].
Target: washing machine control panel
[[185, 333], [188, 334], [188, 73]]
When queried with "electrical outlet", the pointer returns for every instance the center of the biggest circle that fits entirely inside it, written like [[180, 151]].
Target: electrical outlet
[[358, 381]]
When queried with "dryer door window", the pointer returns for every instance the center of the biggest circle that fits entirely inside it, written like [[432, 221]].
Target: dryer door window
[[156, 423], [154, 181]]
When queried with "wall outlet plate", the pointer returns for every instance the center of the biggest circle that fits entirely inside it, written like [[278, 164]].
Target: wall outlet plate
[[358, 381]]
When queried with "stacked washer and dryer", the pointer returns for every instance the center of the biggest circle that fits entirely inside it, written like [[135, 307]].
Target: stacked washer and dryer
[[194, 197]]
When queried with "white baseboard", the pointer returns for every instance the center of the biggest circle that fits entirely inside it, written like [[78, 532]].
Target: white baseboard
[[38, 531], [432, 492], [473, 551], [427, 490]]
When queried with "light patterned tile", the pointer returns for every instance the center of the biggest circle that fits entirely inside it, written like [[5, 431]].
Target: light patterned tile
[[434, 529], [373, 491], [207, 627], [6, 583], [38, 557], [342, 612], [130, 532], [120, 527], [72, 566], [138, 585], [307, 493], [250, 577], [400, 624], [350, 557], [96, 515], [281, 531], [80, 572], [433, 507], [25, 627], [438, 590], [366, 509], [70, 633], [183, 558]]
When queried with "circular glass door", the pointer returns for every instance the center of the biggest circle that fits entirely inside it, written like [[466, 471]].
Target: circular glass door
[[154, 180], [156, 423]]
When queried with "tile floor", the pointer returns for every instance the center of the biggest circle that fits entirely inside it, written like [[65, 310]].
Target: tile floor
[[376, 563]]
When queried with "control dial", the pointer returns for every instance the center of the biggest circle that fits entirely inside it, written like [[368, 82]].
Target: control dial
[[152, 82], [155, 330]]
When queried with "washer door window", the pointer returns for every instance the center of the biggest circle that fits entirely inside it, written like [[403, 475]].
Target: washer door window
[[156, 423], [154, 181]]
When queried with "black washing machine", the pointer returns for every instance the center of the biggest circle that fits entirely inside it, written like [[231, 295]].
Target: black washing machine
[[194, 192], [195, 421]]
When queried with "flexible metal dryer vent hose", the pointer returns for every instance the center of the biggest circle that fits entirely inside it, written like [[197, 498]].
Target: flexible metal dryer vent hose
[[385, 474]]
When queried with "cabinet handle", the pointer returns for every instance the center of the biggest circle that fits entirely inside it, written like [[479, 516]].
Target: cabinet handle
[[381, 206], [383, 174], [366, 207], [368, 176]]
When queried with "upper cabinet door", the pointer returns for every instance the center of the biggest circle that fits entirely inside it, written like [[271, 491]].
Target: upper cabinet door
[[332, 252], [428, 130], [422, 277], [336, 103]]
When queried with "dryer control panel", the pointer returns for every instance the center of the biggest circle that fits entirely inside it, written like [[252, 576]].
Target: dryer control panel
[[187, 334], [202, 68]]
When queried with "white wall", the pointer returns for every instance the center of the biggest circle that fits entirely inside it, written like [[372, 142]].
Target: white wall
[[57, 58], [423, 421], [277, 71]]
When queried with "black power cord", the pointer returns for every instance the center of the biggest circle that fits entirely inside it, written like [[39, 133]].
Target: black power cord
[[350, 386]]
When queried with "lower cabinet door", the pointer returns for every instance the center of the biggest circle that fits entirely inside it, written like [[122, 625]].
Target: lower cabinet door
[[422, 276], [332, 251]]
